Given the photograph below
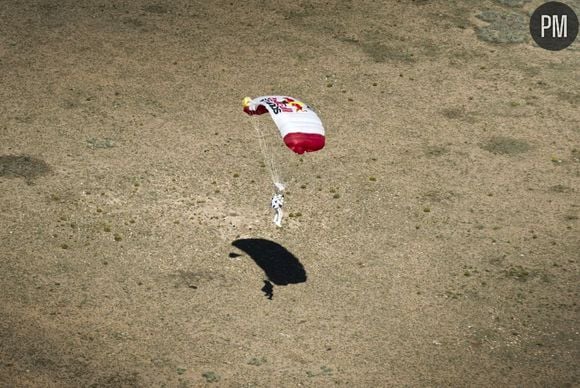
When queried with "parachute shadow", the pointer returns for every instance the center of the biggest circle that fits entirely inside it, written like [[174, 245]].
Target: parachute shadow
[[280, 266]]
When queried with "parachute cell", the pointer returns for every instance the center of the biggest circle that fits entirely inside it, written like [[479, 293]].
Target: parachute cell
[[299, 125]]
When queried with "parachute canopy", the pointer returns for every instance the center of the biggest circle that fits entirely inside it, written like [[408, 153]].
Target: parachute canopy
[[299, 125]]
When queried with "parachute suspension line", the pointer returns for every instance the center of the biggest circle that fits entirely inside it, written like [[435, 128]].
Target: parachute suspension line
[[268, 156]]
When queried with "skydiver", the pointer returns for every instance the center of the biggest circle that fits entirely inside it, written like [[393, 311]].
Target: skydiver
[[277, 203]]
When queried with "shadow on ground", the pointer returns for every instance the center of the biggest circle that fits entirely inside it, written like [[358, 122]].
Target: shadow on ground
[[280, 266]]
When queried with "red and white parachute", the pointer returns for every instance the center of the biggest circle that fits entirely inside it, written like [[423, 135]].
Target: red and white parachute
[[299, 125]]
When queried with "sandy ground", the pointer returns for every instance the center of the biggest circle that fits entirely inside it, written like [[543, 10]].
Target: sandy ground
[[433, 242]]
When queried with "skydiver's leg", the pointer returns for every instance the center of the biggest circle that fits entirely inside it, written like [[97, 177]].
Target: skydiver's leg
[[278, 218]]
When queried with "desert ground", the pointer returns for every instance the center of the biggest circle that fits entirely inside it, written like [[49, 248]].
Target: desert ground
[[433, 242]]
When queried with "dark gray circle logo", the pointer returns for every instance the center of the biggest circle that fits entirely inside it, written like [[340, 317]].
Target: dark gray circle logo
[[554, 26]]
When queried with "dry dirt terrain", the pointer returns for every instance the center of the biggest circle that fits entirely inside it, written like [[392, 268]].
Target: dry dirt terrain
[[433, 242]]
